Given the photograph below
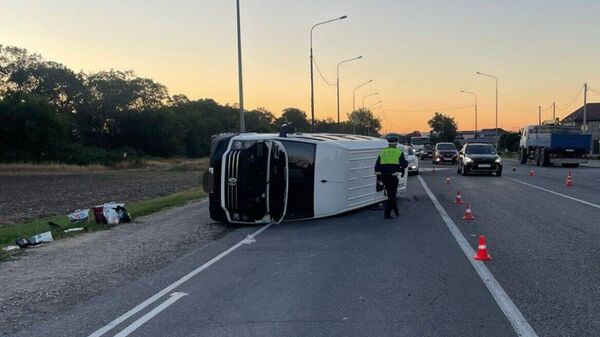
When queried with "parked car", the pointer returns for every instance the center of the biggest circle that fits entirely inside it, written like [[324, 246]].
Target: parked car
[[445, 152], [479, 157], [411, 157]]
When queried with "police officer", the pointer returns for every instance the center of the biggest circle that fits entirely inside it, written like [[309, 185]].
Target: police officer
[[389, 165]]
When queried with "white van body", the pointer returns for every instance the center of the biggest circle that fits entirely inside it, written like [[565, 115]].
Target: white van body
[[322, 175]]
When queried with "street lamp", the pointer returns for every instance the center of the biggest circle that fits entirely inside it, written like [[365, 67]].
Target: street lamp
[[354, 94], [374, 104], [369, 95], [337, 83], [496, 79], [475, 95], [312, 90]]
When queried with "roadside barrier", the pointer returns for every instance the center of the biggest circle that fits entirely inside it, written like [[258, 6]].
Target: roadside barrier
[[458, 199], [468, 213], [569, 182], [482, 253]]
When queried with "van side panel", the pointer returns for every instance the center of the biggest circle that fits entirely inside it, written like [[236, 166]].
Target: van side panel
[[330, 180]]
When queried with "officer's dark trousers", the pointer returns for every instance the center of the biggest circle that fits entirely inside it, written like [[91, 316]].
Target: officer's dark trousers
[[391, 188]]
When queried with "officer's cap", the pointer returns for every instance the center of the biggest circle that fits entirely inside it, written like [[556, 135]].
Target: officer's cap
[[391, 138]]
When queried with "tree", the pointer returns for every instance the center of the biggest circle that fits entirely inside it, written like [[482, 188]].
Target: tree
[[260, 120], [295, 116], [509, 141], [364, 122], [443, 128]]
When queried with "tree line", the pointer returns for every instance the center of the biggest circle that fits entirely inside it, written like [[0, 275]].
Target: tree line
[[49, 112]]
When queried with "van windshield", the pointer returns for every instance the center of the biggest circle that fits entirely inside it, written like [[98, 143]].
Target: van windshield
[[446, 147]]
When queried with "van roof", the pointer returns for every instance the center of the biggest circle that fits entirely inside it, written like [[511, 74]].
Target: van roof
[[346, 141]]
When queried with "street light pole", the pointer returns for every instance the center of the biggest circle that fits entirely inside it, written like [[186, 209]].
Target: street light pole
[[354, 94], [337, 84], [312, 88], [240, 80], [369, 95], [374, 104], [475, 95], [496, 79]]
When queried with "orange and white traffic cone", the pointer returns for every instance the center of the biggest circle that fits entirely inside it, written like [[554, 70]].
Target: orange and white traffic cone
[[468, 213], [458, 199], [482, 253], [569, 182], [447, 180], [531, 173]]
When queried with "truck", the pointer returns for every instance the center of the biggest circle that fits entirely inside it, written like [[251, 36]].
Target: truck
[[422, 147], [552, 143], [257, 178]]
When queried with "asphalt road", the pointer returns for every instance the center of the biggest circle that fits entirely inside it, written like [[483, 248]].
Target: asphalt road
[[360, 275]]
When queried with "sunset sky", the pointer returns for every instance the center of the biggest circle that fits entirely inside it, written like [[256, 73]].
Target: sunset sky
[[420, 54]]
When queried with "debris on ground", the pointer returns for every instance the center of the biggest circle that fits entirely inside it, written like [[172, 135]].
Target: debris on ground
[[77, 229], [80, 215], [10, 248], [41, 238]]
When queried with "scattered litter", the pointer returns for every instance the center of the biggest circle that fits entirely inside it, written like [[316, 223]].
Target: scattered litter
[[111, 216], [22, 243], [80, 215], [41, 238], [53, 225], [99, 214], [9, 248], [124, 216], [77, 229]]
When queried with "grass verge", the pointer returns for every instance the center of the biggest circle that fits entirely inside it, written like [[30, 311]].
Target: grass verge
[[10, 233]]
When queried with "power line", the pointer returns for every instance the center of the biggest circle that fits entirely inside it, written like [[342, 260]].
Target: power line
[[320, 73], [572, 101], [428, 110]]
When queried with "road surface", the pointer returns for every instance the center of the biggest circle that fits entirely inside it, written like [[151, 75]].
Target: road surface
[[360, 275]]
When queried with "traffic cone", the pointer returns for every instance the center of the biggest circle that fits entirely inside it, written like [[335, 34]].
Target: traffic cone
[[569, 182], [482, 253], [514, 168], [447, 180], [468, 214], [531, 173], [458, 199]]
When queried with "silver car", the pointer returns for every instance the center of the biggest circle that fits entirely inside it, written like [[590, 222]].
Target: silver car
[[411, 158]]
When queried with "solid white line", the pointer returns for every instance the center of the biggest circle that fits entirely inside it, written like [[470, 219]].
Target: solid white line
[[138, 323], [174, 285], [555, 193], [508, 307]]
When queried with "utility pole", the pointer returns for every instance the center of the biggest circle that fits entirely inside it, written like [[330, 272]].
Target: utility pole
[[240, 80], [554, 111], [539, 115], [585, 126]]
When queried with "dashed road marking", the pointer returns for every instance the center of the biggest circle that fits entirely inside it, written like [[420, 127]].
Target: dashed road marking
[[508, 307], [174, 285], [553, 192]]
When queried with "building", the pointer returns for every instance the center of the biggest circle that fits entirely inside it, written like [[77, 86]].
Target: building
[[593, 121]]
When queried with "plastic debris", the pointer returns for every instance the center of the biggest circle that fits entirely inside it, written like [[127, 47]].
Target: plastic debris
[[77, 229], [80, 215], [41, 238], [9, 248]]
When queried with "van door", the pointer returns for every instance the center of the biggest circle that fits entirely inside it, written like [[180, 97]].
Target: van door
[[278, 182]]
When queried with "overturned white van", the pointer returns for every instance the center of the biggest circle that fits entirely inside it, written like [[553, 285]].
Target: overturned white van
[[260, 178]]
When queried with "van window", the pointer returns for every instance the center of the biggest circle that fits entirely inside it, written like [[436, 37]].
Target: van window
[[301, 186]]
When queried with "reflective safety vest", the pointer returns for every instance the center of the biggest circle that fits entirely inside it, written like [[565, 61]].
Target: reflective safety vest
[[390, 155]]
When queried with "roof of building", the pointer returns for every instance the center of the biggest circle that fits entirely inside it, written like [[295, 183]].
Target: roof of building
[[593, 114]]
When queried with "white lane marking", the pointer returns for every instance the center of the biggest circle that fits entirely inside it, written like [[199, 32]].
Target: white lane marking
[[555, 193], [508, 307], [427, 169], [174, 285], [138, 323]]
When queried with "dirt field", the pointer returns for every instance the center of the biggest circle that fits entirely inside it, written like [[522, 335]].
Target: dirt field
[[26, 194]]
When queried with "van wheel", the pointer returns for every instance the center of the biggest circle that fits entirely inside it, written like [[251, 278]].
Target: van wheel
[[536, 156]]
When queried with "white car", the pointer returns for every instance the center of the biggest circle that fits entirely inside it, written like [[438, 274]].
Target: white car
[[411, 158]]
